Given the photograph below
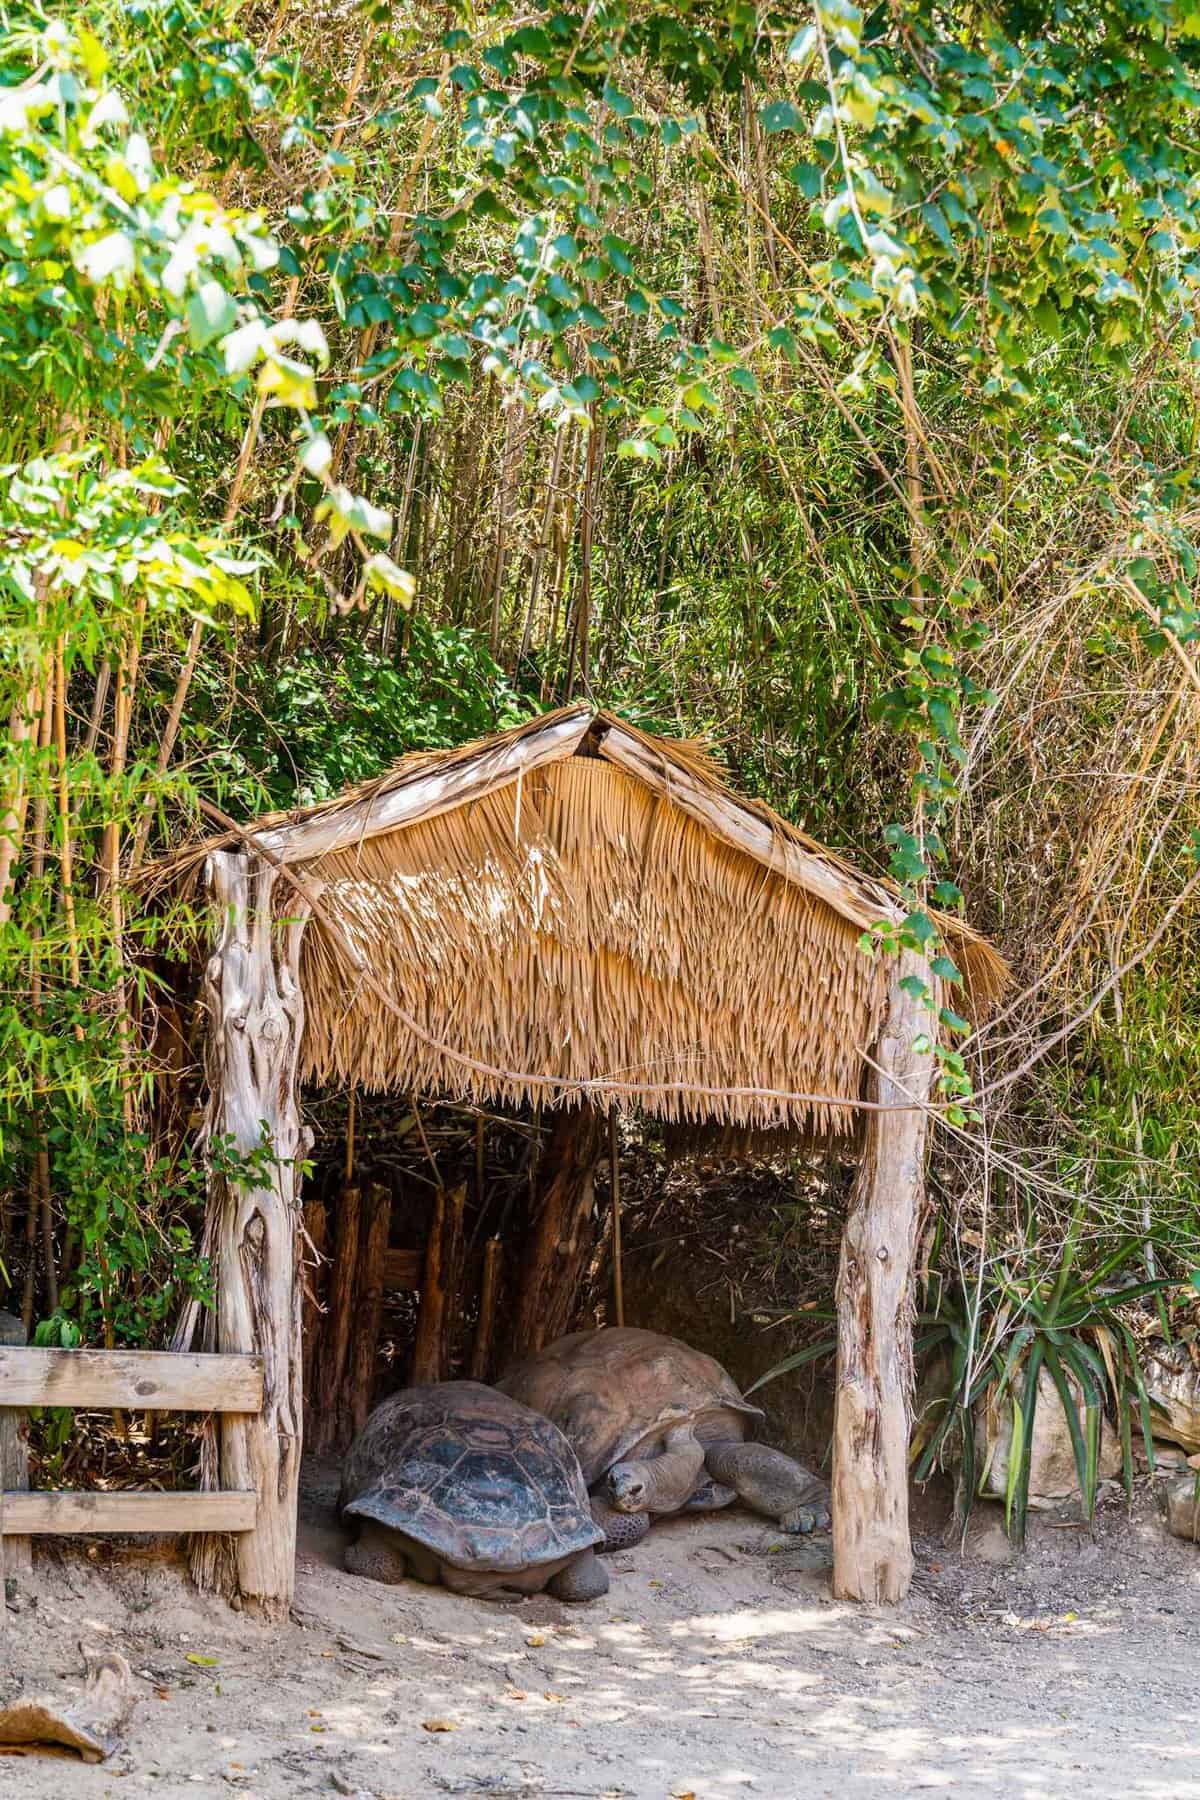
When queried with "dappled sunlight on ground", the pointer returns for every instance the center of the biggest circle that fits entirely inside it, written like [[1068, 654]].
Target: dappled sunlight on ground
[[717, 1667]]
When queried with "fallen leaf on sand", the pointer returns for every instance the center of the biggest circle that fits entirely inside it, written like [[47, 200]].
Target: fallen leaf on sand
[[438, 1725], [201, 1662], [516, 1694], [535, 1640], [558, 1699]]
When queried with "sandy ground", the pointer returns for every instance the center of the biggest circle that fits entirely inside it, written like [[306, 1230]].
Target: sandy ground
[[717, 1667]]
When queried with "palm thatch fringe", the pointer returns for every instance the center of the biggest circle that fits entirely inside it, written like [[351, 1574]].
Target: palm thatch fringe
[[576, 922]]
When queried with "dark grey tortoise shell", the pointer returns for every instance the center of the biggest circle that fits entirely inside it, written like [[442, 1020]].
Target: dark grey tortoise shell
[[482, 1481]]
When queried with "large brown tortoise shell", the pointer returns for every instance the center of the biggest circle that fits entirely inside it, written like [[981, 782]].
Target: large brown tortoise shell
[[616, 1391]]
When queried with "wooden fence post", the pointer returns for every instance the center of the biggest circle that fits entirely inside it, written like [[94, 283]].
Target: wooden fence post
[[256, 1019], [872, 1549], [16, 1553]]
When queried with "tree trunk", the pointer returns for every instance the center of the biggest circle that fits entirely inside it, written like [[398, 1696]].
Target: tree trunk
[[256, 1018], [872, 1551], [561, 1229]]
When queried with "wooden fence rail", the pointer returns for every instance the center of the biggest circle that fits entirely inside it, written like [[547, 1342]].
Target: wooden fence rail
[[149, 1380]]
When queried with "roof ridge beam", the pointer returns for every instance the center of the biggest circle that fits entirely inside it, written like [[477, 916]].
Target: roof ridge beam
[[426, 793]]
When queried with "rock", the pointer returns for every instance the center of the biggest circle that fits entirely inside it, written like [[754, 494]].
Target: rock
[[987, 1538], [1183, 1514], [1052, 1473], [1173, 1385]]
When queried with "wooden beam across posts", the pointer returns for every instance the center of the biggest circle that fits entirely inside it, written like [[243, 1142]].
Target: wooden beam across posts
[[425, 796], [742, 829], [157, 1380], [872, 1549], [65, 1513], [256, 1019]]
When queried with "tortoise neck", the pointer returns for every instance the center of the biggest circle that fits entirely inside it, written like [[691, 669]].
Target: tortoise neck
[[671, 1477]]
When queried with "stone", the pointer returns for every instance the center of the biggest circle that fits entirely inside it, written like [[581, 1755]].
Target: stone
[[1173, 1386], [1053, 1477], [1183, 1514]]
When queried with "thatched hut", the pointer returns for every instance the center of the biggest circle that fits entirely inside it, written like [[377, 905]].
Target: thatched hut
[[581, 915]]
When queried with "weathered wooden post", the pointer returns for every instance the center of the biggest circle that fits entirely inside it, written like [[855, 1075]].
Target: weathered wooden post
[[561, 1232], [16, 1555], [256, 1018], [872, 1549]]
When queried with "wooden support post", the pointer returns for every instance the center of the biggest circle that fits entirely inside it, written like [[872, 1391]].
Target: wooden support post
[[373, 1243], [562, 1232], [872, 1550], [16, 1556], [316, 1231], [256, 1018], [614, 1181], [439, 1290], [339, 1321], [485, 1329]]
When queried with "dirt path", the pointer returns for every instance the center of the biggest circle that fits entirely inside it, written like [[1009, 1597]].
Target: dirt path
[[718, 1667]]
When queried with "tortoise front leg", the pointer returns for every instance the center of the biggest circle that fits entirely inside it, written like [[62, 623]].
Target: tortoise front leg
[[771, 1483], [583, 1579], [376, 1556], [622, 1530]]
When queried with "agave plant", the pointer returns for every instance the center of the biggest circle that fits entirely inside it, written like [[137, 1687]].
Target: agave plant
[[1022, 1314], [1026, 1310]]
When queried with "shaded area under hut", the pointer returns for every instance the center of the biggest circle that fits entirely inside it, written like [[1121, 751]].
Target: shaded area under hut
[[566, 922]]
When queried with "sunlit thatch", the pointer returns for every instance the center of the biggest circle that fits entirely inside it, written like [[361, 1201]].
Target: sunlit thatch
[[576, 930]]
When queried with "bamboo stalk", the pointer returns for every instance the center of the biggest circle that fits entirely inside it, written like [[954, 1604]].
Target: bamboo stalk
[[12, 826], [64, 819], [539, 555]]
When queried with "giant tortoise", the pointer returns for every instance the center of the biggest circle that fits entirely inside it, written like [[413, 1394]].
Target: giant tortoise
[[461, 1485], [660, 1428]]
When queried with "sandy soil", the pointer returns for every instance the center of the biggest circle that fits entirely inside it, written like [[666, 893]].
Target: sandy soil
[[717, 1667]]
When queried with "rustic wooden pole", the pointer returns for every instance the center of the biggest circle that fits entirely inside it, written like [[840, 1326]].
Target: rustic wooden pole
[[485, 1329], [561, 1228], [439, 1289], [256, 1018], [614, 1177], [372, 1255], [316, 1231], [16, 1557], [339, 1321], [872, 1550]]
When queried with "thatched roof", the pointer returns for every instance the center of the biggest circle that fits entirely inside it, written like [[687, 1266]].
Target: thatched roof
[[576, 902]]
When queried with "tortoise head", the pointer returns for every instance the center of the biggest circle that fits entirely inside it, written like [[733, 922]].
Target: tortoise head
[[628, 1486]]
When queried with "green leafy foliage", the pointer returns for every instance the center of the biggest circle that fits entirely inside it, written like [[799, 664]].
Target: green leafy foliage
[[374, 382]]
